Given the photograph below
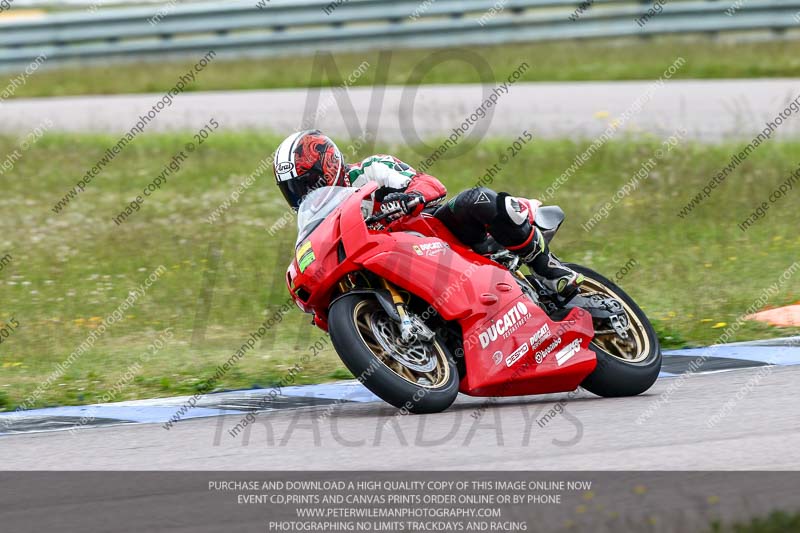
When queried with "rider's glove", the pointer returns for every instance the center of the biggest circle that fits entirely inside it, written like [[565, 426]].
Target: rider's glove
[[400, 200]]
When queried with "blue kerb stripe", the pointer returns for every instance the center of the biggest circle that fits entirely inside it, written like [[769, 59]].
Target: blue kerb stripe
[[161, 410]]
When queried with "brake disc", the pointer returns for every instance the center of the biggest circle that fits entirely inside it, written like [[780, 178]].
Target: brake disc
[[416, 356]]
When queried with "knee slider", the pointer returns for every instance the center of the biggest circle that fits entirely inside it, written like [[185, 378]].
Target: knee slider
[[509, 209]]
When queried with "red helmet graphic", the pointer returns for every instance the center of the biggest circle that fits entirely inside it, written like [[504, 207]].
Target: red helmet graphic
[[305, 161]]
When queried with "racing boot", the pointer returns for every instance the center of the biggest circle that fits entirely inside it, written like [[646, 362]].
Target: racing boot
[[553, 274]]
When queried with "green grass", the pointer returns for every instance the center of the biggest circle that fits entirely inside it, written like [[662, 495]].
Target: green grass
[[619, 59], [776, 522], [72, 269]]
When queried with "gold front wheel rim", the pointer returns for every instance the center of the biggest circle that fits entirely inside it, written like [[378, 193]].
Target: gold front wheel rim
[[364, 313]]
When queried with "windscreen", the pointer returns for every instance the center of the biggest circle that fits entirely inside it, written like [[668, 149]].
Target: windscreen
[[318, 205]]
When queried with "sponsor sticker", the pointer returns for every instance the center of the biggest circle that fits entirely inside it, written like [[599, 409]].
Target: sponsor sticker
[[540, 336], [505, 326], [566, 353], [540, 355], [286, 166], [431, 248], [497, 357], [517, 355], [305, 256]]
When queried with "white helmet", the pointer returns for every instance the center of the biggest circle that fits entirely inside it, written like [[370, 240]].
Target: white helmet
[[305, 161]]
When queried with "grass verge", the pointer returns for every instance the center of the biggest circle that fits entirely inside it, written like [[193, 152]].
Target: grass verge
[[776, 522], [618, 59]]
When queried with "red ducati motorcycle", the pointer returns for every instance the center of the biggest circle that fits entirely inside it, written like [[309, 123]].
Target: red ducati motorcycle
[[416, 316]]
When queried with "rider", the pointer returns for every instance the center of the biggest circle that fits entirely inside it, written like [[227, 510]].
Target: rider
[[308, 159]]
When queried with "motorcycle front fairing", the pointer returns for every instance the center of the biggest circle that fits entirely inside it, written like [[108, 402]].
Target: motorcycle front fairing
[[318, 265]]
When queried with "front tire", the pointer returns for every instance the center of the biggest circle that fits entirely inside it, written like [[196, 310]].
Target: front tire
[[620, 372], [363, 335]]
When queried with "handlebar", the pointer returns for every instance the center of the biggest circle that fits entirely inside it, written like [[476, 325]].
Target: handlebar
[[413, 203]]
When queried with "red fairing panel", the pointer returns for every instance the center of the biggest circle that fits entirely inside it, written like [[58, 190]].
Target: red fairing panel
[[522, 351], [511, 346], [429, 268]]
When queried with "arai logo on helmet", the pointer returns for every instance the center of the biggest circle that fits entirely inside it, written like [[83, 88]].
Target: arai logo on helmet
[[286, 166], [507, 325]]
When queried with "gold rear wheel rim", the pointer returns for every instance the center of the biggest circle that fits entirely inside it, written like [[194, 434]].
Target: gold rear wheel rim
[[637, 348]]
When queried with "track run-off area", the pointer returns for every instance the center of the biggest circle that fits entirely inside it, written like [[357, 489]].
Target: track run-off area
[[709, 110], [738, 412]]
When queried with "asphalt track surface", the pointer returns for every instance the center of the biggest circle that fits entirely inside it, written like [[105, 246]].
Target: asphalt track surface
[[709, 110], [760, 432]]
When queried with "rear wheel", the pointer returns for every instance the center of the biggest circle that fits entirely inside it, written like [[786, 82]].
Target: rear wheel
[[625, 367], [418, 376]]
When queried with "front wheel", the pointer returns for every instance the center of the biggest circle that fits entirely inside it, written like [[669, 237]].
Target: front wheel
[[419, 376], [625, 367]]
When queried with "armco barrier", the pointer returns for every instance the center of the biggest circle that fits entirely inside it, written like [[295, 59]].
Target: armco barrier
[[278, 26]]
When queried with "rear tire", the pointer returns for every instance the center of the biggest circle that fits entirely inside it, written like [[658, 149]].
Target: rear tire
[[615, 376], [374, 372]]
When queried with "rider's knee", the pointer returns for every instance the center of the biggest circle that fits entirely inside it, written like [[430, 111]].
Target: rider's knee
[[510, 211], [479, 202]]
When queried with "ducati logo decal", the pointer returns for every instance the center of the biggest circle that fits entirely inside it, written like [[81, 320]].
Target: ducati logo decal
[[517, 355], [540, 336], [568, 351], [505, 326], [430, 249]]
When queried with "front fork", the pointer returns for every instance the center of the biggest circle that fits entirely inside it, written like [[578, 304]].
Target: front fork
[[411, 328]]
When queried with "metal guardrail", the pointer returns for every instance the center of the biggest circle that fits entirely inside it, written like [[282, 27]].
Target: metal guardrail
[[282, 26]]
